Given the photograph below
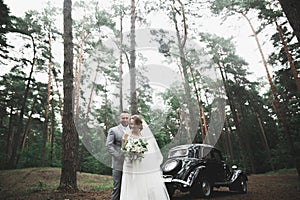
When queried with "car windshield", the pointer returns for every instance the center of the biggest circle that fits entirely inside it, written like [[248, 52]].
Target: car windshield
[[178, 153], [205, 152]]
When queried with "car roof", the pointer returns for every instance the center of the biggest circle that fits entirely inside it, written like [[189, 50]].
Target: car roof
[[186, 146]]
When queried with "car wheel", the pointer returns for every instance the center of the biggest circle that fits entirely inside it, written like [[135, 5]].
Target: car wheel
[[243, 186], [203, 188], [240, 186]]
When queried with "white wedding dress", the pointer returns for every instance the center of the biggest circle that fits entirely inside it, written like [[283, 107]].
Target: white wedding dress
[[142, 179]]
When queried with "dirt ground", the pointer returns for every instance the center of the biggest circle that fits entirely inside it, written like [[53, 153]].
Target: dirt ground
[[260, 187]]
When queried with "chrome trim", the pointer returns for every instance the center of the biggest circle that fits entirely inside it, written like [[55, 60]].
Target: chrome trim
[[166, 177], [235, 175], [180, 181]]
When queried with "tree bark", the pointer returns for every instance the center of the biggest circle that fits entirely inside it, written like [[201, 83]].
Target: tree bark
[[121, 62], [245, 135], [132, 68], [68, 178], [78, 74], [86, 121], [45, 135], [291, 9], [264, 140], [289, 56], [206, 138], [234, 116], [200, 107], [10, 135], [27, 127], [52, 130], [228, 137], [184, 64], [58, 93]]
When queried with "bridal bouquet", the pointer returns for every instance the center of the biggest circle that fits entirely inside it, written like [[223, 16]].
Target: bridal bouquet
[[135, 148]]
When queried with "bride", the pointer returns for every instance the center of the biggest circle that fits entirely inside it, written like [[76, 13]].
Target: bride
[[142, 178]]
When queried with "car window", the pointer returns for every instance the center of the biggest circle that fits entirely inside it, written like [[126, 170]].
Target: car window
[[206, 153], [197, 153], [216, 156], [178, 153]]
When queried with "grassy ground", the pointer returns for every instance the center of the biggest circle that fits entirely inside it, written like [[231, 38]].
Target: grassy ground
[[23, 182], [41, 184]]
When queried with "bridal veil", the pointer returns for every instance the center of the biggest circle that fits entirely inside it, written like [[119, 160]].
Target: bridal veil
[[142, 179]]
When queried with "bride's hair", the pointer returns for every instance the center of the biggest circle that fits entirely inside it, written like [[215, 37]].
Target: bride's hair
[[137, 120]]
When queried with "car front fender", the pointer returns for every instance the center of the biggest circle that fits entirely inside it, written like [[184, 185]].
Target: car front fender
[[189, 180], [236, 175]]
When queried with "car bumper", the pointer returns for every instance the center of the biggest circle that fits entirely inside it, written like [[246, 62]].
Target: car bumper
[[170, 179]]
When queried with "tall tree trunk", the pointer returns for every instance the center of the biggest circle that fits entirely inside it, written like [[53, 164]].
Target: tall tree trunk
[[121, 62], [289, 57], [264, 139], [16, 139], [52, 130], [291, 9], [184, 65], [78, 74], [88, 109], [86, 120], [68, 178], [245, 136], [132, 68], [234, 116], [262, 131], [27, 127], [10, 135], [200, 107], [45, 135], [58, 93], [188, 139], [228, 137], [278, 110], [106, 107], [206, 138]]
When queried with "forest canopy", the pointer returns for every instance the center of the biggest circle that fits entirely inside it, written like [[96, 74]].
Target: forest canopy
[[190, 85]]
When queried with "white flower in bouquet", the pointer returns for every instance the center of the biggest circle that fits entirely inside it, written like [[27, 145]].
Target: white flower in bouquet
[[135, 148]]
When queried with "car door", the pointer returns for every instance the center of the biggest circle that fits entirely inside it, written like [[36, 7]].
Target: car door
[[218, 165], [210, 163]]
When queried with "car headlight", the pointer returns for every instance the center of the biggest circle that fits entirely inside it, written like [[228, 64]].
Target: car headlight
[[170, 165]]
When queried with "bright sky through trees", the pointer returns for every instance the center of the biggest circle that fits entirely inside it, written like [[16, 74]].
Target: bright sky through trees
[[233, 26]]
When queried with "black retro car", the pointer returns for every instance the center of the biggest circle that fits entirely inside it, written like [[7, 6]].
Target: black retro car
[[197, 168]]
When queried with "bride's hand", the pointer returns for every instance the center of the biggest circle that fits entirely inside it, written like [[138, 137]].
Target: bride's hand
[[125, 136], [124, 139]]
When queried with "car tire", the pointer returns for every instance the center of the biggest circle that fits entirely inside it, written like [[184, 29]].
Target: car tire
[[240, 185], [202, 188]]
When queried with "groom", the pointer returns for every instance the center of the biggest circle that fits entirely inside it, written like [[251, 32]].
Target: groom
[[113, 144]]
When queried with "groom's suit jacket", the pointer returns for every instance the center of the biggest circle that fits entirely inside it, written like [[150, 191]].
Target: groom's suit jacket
[[113, 144]]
